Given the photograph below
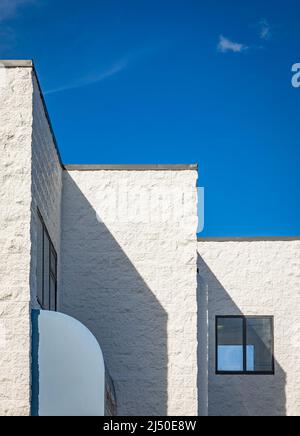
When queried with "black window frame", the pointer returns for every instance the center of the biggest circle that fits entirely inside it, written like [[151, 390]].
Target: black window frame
[[244, 318], [52, 273]]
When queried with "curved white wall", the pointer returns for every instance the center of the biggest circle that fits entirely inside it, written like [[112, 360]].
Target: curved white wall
[[71, 373]]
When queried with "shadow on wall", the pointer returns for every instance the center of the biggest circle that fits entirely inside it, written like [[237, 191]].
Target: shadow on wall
[[236, 395], [102, 289], [202, 333]]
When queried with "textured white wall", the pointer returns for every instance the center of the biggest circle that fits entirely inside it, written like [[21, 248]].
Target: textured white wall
[[15, 199], [254, 278], [46, 186], [129, 254], [30, 177]]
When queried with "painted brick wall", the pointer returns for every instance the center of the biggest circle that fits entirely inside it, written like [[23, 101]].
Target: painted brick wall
[[129, 254], [46, 186], [15, 198], [254, 278]]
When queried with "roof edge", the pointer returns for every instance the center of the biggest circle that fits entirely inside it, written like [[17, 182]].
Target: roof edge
[[251, 239], [24, 63], [179, 167]]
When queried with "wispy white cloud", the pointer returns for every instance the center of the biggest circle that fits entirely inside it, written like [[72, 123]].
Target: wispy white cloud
[[9, 8], [264, 30], [104, 74], [225, 45], [91, 79]]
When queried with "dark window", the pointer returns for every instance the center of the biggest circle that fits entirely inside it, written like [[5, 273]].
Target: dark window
[[244, 345], [46, 268]]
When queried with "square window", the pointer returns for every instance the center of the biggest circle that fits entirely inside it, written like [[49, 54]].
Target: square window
[[244, 345]]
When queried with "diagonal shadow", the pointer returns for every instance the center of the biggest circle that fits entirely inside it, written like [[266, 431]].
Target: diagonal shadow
[[226, 395], [102, 288]]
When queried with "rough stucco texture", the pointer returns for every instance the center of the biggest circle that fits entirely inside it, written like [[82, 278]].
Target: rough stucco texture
[[254, 278], [129, 255], [46, 186], [15, 199]]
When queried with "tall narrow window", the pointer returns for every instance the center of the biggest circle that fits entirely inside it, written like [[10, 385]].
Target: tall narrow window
[[46, 268], [244, 345]]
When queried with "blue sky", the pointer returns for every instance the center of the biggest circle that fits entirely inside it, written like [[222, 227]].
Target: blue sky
[[176, 81]]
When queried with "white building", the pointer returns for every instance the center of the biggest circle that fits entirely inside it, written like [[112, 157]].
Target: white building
[[186, 327]]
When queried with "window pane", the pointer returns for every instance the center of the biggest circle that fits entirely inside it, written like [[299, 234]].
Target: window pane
[[230, 344], [39, 272], [53, 262], [46, 301], [259, 345], [52, 294], [230, 358], [250, 358]]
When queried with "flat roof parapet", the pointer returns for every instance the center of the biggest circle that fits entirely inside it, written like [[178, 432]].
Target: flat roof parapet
[[16, 63], [180, 167]]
